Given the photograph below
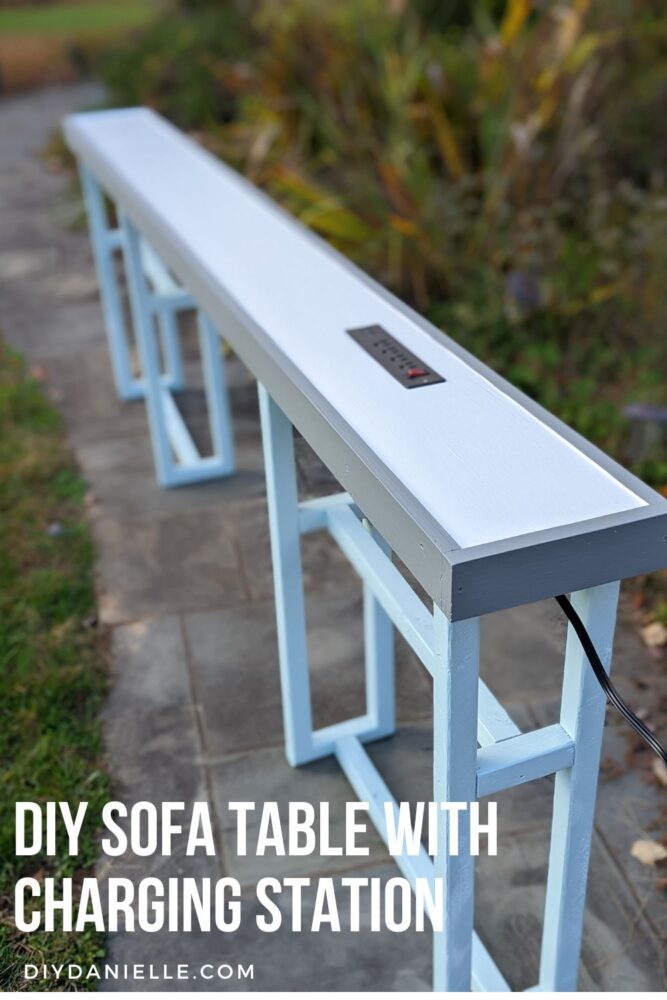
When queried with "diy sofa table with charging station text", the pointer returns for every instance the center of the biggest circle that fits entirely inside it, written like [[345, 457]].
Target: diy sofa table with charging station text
[[488, 500]]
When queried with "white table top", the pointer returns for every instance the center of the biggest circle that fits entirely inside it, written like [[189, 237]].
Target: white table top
[[483, 466]]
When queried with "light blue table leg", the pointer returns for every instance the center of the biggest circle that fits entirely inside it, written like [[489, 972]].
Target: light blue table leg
[[169, 301], [156, 302], [177, 459], [462, 719], [582, 716], [171, 349], [127, 386], [142, 318], [379, 658], [105, 242], [217, 396], [282, 498], [455, 684]]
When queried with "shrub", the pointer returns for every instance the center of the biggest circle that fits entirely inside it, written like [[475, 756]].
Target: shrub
[[497, 164]]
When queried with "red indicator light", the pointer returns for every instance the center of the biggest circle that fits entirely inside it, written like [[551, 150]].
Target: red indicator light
[[416, 372]]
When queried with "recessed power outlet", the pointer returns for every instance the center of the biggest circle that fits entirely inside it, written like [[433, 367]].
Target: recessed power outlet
[[405, 366]]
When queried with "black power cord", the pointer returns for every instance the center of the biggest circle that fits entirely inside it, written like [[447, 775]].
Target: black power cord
[[614, 697]]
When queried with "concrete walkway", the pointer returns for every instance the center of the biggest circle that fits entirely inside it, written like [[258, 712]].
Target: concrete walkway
[[185, 589]]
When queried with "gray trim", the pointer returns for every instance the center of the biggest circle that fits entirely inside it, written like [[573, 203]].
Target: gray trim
[[463, 583], [519, 571]]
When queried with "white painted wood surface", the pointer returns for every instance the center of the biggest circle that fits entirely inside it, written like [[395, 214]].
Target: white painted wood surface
[[479, 463]]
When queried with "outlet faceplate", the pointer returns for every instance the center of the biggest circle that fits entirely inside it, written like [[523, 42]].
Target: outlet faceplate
[[405, 366]]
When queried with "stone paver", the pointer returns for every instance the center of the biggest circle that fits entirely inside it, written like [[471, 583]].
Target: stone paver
[[235, 665], [165, 563], [185, 588], [147, 674]]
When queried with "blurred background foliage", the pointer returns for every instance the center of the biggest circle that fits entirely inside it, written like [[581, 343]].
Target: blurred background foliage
[[501, 164]]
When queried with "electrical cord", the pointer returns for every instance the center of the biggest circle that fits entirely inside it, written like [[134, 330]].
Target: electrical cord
[[612, 694]]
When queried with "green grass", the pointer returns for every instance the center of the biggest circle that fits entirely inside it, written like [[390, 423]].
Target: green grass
[[52, 663], [62, 19]]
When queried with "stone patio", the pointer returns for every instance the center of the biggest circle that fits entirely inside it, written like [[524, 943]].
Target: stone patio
[[185, 590]]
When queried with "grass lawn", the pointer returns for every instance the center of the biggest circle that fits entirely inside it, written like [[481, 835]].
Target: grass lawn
[[46, 43], [59, 19], [52, 663]]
